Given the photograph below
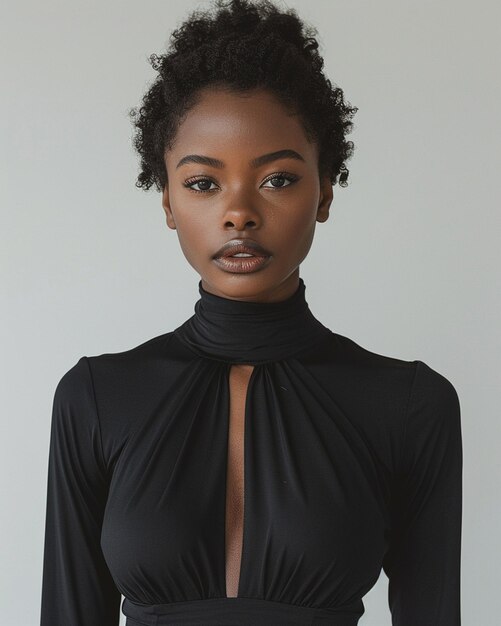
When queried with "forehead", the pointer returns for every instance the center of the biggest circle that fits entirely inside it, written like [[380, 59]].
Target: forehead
[[250, 121]]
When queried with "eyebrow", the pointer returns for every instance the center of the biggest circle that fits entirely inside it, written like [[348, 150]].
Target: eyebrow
[[257, 162]]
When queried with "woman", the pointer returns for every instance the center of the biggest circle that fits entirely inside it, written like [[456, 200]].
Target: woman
[[251, 466]]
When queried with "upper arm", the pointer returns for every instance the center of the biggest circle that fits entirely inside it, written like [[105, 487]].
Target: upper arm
[[77, 587], [423, 560]]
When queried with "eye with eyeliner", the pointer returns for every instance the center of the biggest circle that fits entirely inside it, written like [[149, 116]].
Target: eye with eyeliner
[[292, 178]]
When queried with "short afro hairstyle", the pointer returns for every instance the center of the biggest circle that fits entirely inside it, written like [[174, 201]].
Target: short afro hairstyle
[[242, 46]]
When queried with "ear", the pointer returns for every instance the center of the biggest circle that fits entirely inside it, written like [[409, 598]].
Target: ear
[[166, 206], [326, 194]]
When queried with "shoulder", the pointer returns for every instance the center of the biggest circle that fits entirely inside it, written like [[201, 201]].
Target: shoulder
[[75, 423], [433, 405], [79, 375], [372, 372], [77, 385], [151, 347], [410, 392], [423, 382], [74, 388], [354, 352], [370, 388], [133, 363], [432, 388], [432, 427]]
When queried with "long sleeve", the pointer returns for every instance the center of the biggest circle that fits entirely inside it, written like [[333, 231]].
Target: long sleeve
[[77, 587], [423, 560]]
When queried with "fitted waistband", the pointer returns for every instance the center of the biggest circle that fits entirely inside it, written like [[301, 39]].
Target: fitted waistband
[[239, 612]]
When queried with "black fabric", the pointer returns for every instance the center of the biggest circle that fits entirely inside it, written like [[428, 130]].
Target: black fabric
[[237, 331], [353, 464]]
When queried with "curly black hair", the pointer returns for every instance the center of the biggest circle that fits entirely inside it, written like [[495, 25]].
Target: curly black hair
[[243, 45]]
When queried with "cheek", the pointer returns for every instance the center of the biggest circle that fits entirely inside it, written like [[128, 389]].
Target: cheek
[[298, 230], [301, 212], [191, 228], [192, 243]]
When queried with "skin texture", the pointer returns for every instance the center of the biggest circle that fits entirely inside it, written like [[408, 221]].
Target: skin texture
[[239, 200]]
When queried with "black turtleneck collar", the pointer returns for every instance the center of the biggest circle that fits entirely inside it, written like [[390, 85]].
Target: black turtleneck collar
[[240, 331]]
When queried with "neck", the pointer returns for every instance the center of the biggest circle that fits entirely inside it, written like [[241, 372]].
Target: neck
[[240, 331]]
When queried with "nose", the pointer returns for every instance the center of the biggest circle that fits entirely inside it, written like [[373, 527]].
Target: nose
[[241, 218]]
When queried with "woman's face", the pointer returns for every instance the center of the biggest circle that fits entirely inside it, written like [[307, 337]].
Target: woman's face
[[275, 202]]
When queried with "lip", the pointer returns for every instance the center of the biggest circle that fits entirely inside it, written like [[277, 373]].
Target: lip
[[234, 246], [242, 265]]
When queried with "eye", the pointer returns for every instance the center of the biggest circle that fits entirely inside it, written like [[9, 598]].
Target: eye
[[195, 181], [278, 176]]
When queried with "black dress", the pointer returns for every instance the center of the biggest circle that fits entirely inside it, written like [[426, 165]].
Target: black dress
[[353, 463]]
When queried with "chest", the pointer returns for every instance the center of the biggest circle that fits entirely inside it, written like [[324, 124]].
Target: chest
[[254, 485]]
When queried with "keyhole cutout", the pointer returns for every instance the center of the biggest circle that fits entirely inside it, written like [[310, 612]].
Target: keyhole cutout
[[239, 376]]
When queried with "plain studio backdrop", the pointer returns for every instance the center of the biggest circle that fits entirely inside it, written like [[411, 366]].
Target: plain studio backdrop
[[407, 264]]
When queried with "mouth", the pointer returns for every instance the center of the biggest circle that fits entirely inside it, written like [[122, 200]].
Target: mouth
[[242, 256], [242, 264], [241, 248]]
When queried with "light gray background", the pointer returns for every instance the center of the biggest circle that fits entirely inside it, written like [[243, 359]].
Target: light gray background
[[407, 265]]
